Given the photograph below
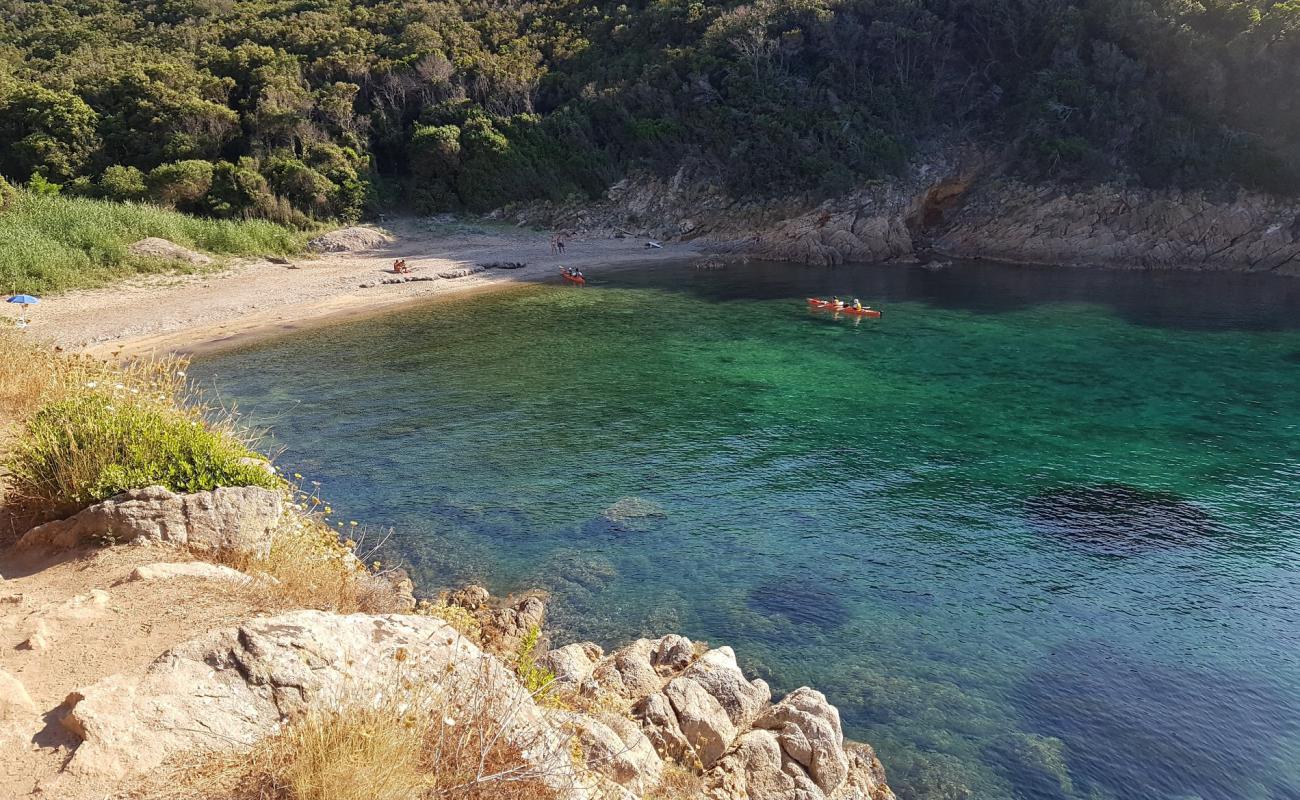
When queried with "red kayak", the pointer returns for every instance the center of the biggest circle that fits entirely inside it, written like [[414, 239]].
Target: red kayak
[[841, 308], [577, 280]]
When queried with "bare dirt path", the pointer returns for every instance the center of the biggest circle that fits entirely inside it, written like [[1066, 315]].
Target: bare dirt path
[[256, 298]]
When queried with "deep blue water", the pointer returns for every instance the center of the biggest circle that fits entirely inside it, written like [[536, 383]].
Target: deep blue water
[[1035, 531]]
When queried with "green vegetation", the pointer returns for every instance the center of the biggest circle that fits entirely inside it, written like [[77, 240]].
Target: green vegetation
[[95, 445], [90, 430], [538, 680], [297, 109], [51, 242]]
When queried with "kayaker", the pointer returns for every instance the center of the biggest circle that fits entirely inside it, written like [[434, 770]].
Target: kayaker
[[836, 301], [857, 304]]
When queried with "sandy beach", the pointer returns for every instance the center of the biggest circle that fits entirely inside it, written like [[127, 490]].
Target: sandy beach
[[253, 298]]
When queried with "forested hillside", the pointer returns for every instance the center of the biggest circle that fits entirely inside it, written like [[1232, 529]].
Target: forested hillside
[[289, 109]]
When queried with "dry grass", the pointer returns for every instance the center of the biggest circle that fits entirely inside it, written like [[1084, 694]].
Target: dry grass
[[418, 744], [80, 430], [312, 567], [678, 783]]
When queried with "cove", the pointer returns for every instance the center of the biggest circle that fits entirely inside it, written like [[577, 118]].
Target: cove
[[1035, 532]]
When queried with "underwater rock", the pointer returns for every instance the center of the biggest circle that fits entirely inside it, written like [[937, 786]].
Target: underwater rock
[[633, 515], [1140, 729], [1119, 519], [1035, 765], [800, 602]]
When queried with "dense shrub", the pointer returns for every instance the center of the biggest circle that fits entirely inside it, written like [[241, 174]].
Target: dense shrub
[[122, 184], [182, 185], [47, 132], [478, 103], [101, 439]]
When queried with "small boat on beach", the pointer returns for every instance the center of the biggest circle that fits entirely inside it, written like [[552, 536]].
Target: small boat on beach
[[818, 304], [576, 280]]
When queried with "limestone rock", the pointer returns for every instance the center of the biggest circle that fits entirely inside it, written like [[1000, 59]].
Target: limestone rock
[[572, 664], [719, 675], [15, 703], [702, 719], [471, 598], [199, 570], [236, 518], [154, 247], [866, 778], [505, 628], [616, 748], [808, 730], [349, 240], [753, 770], [659, 721], [672, 654], [629, 672], [234, 686], [40, 639]]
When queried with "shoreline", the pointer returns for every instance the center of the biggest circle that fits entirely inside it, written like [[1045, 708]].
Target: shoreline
[[252, 299]]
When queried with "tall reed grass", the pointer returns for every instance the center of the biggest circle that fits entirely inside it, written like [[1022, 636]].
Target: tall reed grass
[[53, 243]]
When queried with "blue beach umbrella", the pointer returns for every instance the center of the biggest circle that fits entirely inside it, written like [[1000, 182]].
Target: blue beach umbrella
[[24, 300]]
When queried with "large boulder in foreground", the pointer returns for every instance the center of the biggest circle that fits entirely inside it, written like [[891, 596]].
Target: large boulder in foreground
[[229, 518], [154, 247], [232, 687]]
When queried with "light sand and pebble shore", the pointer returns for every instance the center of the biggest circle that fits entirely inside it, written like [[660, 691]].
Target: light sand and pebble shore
[[249, 299]]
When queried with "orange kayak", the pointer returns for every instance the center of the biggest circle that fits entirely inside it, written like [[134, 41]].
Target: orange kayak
[[841, 308], [574, 279]]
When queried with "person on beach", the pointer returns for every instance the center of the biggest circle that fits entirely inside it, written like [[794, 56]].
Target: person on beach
[[555, 246], [559, 242]]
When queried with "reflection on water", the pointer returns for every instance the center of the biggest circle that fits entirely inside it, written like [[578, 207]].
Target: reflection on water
[[1035, 531]]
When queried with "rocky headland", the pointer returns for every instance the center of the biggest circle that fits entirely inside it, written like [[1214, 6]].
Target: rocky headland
[[954, 204]]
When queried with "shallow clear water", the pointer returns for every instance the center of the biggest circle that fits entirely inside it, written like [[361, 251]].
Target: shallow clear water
[[1036, 531]]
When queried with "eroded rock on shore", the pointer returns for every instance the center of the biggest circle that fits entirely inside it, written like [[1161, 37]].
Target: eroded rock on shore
[[239, 518], [959, 203], [1124, 226], [696, 707], [235, 686]]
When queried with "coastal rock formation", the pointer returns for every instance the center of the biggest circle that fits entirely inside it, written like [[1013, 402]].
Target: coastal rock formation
[[695, 707], [956, 202], [195, 570], [349, 240], [154, 247], [234, 518], [234, 686], [463, 272], [1124, 226], [503, 625]]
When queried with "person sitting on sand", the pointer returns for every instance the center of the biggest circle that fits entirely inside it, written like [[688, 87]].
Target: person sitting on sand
[[399, 266]]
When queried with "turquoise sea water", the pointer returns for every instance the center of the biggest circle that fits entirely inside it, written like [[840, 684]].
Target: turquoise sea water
[[1036, 532]]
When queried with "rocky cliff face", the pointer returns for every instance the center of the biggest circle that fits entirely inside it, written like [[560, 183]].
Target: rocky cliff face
[[1124, 227], [955, 204]]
